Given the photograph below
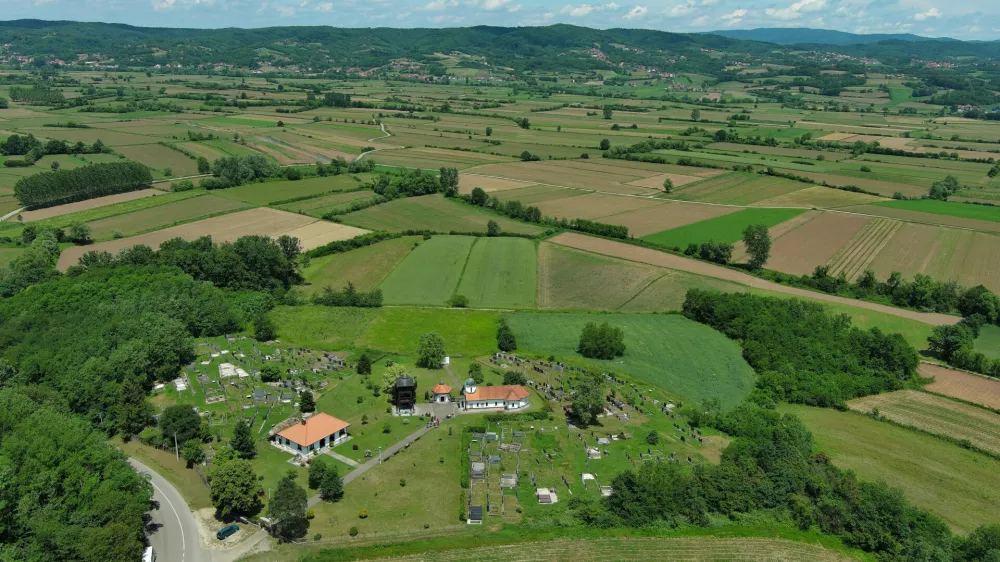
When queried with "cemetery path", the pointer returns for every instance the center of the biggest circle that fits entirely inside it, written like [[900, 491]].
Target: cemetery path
[[386, 455]]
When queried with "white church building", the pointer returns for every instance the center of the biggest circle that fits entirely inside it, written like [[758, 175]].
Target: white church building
[[508, 397]]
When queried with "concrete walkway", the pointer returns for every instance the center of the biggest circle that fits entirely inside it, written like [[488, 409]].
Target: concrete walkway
[[386, 454], [341, 458]]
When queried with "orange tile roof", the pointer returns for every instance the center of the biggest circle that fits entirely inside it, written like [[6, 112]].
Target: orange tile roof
[[441, 389], [317, 427], [511, 393]]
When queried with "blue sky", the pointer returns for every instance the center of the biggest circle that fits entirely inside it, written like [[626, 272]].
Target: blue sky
[[968, 19]]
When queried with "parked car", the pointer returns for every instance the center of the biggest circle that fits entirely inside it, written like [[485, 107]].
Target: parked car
[[226, 531]]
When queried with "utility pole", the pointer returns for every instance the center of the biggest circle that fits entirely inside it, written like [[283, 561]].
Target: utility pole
[[176, 450]]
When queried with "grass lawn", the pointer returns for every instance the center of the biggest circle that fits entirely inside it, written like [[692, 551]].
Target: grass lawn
[[430, 497], [8, 254], [687, 359], [186, 480], [988, 342], [271, 465], [727, 228], [365, 267], [430, 274], [954, 209], [431, 212], [501, 273], [323, 327], [959, 485]]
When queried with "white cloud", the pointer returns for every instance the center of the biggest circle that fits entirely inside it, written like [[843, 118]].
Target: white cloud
[[931, 13], [448, 19], [635, 13], [708, 2], [490, 5], [324, 7], [586, 9], [164, 4], [795, 10], [681, 9], [403, 16], [700, 21], [734, 17], [438, 5], [285, 11]]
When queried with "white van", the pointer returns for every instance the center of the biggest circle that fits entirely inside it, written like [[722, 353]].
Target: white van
[[148, 555]]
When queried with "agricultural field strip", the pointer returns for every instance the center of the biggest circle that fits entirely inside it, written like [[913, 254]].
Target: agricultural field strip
[[671, 261], [855, 256], [936, 414]]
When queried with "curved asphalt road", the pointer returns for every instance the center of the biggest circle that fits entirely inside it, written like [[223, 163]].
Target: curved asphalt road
[[175, 538]]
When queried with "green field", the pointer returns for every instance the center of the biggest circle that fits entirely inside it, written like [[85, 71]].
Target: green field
[[727, 228], [319, 206], [687, 359], [432, 212], [430, 274], [395, 330], [953, 209], [271, 191], [988, 342], [365, 267], [959, 485], [501, 273]]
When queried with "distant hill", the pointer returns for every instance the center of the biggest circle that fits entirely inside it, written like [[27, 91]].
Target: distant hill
[[804, 35]]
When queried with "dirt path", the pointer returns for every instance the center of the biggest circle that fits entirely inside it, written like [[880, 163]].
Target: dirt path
[[663, 259]]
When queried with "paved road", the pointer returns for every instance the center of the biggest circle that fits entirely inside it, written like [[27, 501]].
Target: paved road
[[176, 536], [358, 471]]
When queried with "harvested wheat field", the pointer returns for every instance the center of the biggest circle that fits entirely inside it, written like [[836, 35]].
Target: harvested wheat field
[[936, 414], [738, 189], [836, 137], [964, 386], [534, 194], [656, 182], [815, 242], [227, 228], [666, 216], [855, 257], [701, 549], [947, 254], [934, 219], [593, 205], [776, 232], [663, 259], [60, 210], [467, 182]]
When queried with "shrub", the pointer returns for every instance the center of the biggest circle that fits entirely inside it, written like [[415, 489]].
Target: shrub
[[354, 530], [310, 514], [458, 301], [402, 482], [363, 514]]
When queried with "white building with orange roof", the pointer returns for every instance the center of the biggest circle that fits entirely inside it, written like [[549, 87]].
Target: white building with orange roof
[[507, 397], [441, 393], [312, 434]]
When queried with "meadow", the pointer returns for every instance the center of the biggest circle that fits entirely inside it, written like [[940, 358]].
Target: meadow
[[365, 267], [958, 485], [276, 191], [935, 207], [693, 362], [500, 273]]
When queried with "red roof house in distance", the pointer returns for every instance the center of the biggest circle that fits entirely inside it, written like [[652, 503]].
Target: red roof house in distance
[[313, 433], [508, 397]]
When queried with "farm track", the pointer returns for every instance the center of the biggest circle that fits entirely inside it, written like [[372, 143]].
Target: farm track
[[671, 261], [860, 252]]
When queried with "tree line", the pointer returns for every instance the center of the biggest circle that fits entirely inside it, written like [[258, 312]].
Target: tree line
[[47, 189], [350, 296], [251, 263], [802, 353], [923, 292]]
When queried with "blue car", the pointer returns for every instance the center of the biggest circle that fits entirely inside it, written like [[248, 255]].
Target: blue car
[[226, 531]]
